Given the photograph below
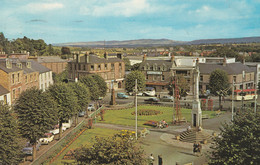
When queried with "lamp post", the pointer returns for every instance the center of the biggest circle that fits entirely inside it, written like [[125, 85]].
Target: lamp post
[[136, 109], [232, 101]]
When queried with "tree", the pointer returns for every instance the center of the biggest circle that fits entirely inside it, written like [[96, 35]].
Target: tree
[[118, 149], [127, 64], [130, 81], [83, 97], [218, 84], [65, 50], [92, 86], [36, 114], [182, 84], [61, 77], [102, 85], [66, 102], [135, 66], [239, 141], [10, 148]]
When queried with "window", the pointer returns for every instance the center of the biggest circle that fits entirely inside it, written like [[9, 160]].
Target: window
[[31, 79], [92, 67], [147, 77], [13, 94], [13, 78], [105, 66], [19, 91], [163, 87], [112, 66], [235, 79], [75, 66], [201, 78], [18, 77], [84, 67], [5, 99], [162, 77], [120, 66], [26, 80], [79, 67], [99, 67], [241, 86]]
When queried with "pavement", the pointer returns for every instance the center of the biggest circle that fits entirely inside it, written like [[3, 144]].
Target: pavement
[[163, 141]]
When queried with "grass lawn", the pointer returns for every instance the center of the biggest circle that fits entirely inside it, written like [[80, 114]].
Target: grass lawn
[[124, 117], [86, 138]]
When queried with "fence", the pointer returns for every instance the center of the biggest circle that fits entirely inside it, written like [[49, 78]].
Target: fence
[[63, 141]]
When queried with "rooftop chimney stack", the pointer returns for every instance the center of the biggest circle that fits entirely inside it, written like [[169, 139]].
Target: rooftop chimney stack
[[172, 58], [86, 57], [144, 57], [106, 55], [77, 58], [225, 61]]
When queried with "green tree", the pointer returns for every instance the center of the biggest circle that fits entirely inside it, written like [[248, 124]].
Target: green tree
[[61, 77], [182, 84], [10, 148], [83, 97], [36, 114], [66, 102], [130, 81], [239, 141], [135, 66], [102, 85], [127, 64], [218, 84], [93, 87], [65, 50], [118, 149]]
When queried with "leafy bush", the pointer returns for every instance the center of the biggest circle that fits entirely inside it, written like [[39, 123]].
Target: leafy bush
[[146, 112]]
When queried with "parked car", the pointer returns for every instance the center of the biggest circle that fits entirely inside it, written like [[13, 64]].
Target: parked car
[[152, 100], [91, 107], [56, 129], [122, 96], [67, 124], [81, 113], [167, 99], [47, 138], [28, 149], [138, 94]]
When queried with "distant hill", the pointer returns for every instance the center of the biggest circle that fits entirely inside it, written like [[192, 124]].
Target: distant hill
[[225, 41], [158, 42], [126, 43]]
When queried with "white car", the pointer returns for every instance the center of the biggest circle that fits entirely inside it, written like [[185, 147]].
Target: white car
[[68, 124], [48, 137], [56, 130]]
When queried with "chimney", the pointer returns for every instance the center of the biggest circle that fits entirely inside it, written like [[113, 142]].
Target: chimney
[[225, 61], [144, 57], [77, 58], [106, 55], [119, 55], [8, 63], [172, 58], [86, 57]]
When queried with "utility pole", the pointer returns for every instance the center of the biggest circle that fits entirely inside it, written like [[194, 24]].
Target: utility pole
[[232, 101], [255, 95], [136, 109]]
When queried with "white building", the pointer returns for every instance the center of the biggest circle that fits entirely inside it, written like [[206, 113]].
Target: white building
[[5, 95], [45, 75]]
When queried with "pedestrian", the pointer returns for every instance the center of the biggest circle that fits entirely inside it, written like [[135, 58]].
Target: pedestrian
[[151, 159], [160, 161], [195, 146]]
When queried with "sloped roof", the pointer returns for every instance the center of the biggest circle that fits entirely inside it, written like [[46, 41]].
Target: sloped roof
[[3, 90], [158, 62], [95, 59], [50, 59], [230, 68], [8, 70]]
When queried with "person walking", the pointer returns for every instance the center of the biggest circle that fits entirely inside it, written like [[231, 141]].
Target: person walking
[[151, 159], [160, 161]]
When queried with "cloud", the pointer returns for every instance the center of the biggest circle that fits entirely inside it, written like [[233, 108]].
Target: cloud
[[40, 7], [125, 8], [38, 20]]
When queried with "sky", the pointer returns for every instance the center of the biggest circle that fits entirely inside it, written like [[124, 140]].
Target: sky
[[61, 21]]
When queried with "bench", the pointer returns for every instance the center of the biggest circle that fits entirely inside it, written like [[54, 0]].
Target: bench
[[218, 112], [144, 132], [206, 116], [151, 123]]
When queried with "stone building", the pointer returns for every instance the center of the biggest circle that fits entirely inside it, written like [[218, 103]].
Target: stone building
[[5, 96], [11, 78], [54, 63], [110, 69]]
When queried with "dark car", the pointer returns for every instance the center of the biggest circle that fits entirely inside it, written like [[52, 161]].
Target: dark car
[[152, 100], [28, 149]]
